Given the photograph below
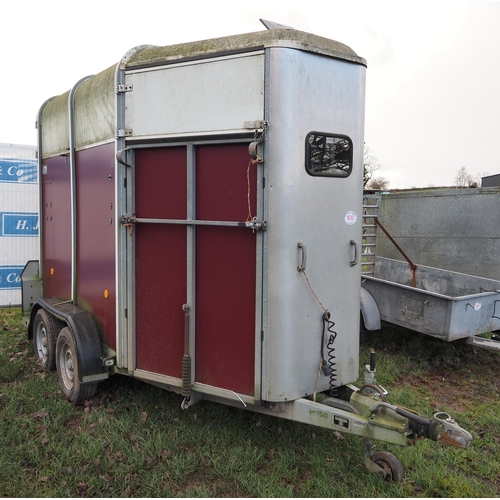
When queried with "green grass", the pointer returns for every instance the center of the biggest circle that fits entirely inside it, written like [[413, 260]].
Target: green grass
[[133, 439]]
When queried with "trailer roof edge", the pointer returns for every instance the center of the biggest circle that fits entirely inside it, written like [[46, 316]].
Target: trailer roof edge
[[215, 46]]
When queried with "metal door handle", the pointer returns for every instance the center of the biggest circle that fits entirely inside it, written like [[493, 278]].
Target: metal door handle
[[302, 266], [354, 244]]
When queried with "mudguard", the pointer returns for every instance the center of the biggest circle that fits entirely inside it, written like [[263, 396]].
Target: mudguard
[[369, 311], [86, 334]]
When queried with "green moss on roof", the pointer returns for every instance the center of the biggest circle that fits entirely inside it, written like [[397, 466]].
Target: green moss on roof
[[94, 99], [269, 38], [94, 117]]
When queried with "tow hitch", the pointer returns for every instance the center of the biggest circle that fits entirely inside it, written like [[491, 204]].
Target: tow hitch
[[441, 428], [371, 402]]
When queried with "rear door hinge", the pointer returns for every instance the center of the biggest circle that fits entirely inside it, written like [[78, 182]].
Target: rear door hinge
[[123, 132], [123, 87]]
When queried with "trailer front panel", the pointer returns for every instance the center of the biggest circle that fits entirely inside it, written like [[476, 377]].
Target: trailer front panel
[[312, 98]]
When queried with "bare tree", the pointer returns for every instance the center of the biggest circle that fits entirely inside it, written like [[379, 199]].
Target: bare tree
[[370, 165], [464, 180], [378, 183]]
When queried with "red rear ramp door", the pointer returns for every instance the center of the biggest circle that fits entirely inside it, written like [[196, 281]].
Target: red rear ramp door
[[160, 259], [191, 249], [225, 270]]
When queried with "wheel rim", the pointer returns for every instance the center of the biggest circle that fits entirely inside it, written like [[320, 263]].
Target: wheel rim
[[390, 464], [67, 367], [41, 342], [388, 472]]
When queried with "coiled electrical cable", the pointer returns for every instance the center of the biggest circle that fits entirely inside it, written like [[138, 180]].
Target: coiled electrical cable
[[329, 366]]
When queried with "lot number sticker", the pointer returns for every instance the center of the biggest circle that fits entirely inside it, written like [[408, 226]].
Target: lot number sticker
[[350, 218]]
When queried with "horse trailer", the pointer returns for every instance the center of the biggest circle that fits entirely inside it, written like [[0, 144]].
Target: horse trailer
[[201, 220]]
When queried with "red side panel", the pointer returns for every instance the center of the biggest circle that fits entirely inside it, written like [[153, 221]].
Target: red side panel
[[225, 270], [96, 220], [161, 270], [95, 265], [56, 227]]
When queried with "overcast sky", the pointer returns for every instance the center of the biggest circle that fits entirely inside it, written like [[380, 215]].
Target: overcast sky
[[433, 80]]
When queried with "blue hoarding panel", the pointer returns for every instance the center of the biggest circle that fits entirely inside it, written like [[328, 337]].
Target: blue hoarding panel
[[19, 224], [14, 170], [10, 277]]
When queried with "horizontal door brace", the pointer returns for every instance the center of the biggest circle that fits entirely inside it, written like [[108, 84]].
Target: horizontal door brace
[[254, 224]]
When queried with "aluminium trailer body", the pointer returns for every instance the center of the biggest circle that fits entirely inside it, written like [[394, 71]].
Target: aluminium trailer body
[[200, 231]]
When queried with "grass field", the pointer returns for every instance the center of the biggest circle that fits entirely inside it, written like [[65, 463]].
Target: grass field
[[133, 439]]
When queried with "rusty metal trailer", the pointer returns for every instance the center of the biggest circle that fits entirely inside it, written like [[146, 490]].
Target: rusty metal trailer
[[444, 304], [200, 228]]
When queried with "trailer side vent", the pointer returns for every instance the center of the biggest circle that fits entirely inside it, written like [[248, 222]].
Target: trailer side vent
[[328, 155]]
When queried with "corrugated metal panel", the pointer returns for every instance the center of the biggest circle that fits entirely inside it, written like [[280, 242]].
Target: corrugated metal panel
[[490, 181]]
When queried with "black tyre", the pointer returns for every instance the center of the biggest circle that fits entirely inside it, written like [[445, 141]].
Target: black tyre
[[391, 465], [46, 328], [68, 370]]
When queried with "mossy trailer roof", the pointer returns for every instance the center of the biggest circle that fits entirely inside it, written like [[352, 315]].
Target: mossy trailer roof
[[265, 39], [95, 97]]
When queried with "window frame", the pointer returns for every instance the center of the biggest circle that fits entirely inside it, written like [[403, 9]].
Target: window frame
[[336, 173]]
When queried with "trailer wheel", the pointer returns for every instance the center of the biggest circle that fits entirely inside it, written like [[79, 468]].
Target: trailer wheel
[[45, 331], [391, 465], [68, 369]]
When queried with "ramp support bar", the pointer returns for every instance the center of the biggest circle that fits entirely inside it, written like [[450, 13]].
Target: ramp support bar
[[413, 266]]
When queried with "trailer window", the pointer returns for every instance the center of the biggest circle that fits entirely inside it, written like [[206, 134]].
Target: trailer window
[[328, 155]]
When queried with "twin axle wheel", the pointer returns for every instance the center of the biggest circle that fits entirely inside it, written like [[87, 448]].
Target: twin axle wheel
[[68, 369], [56, 349], [45, 331]]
